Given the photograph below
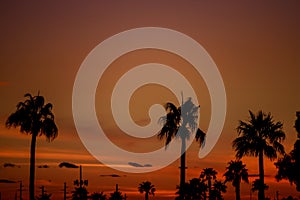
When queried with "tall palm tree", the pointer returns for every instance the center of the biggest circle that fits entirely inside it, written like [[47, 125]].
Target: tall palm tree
[[34, 117], [148, 188], [208, 174], [181, 122], [259, 136], [236, 172]]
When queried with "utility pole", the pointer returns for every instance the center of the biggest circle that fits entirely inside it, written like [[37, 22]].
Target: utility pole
[[21, 189], [43, 190], [65, 191]]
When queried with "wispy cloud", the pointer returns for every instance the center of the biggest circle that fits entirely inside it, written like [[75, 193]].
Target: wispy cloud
[[67, 165], [134, 164], [44, 166], [111, 175], [5, 165], [6, 181]]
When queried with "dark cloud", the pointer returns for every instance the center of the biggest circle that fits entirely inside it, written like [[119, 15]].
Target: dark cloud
[[6, 181], [43, 166], [67, 165], [139, 165], [135, 164], [10, 165], [110, 175]]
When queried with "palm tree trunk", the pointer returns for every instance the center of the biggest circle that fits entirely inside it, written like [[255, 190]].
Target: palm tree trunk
[[237, 192], [146, 196], [182, 166], [261, 191], [209, 188], [32, 166]]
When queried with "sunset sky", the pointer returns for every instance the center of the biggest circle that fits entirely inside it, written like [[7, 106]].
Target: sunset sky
[[255, 45]]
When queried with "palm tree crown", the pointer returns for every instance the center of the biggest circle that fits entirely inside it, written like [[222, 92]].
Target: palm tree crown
[[195, 189], [116, 195], [98, 196], [185, 118], [35, 117], [148, 188], [259, 136], [219, 187]]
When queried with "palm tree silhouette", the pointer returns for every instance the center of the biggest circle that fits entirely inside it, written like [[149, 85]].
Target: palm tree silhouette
[[297, 123], [219, 187], [34, 117], [148, 188], [288, 166], [98, 196], [117, 195], [259, 136], [289, 198], [80, 193], [208, 174], [44, 197], [181, 122], [236, 172], [194, 190], [257, 184]]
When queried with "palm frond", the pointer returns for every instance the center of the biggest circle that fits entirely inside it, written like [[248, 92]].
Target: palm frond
[[200, 137]]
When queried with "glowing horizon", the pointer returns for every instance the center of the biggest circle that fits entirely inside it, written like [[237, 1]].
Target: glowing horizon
[[254, 44]]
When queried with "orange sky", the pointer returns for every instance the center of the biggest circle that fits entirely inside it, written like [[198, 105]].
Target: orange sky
[[255, 45]]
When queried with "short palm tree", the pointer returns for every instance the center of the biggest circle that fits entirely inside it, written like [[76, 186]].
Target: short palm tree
[[80, 193], [219, 187], [208, 174], [98, 196], [148, 188], [259, 136], [117, 195], [256, 185], [34, 117], [236, 172], [181, 122], [194, 190], [44, 197]]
